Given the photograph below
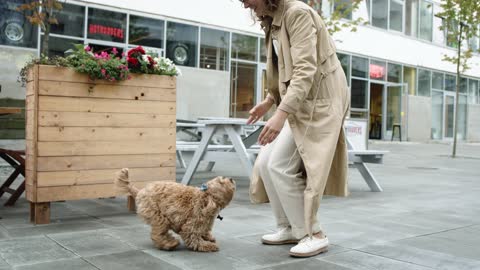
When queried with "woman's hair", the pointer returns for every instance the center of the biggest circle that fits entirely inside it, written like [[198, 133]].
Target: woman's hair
[[271, 6]]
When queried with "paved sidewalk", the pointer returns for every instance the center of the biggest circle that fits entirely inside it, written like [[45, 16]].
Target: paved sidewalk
[[428, 217]]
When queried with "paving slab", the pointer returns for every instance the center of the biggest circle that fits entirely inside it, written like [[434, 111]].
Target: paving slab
[[131, 260]]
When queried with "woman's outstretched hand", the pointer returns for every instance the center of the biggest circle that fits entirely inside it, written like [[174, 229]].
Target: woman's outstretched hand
[[259, 111], [273, 127]]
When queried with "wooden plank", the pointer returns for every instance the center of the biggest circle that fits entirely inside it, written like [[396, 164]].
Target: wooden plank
[[40, 213], [111, 91], [65, 134], [30, 89], [30, 102], [48, 194], [29, 131], [52, 73], [32, 74], [30, 148], [89, 177], [29, 177], [46, 149], [81, 119], [72, 104], [29, 193], [49, 164]]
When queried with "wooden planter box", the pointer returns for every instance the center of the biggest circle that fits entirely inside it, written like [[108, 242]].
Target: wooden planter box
[[79, 133]]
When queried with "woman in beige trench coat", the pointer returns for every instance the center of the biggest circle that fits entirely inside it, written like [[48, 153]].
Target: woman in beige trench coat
[[304, 153]]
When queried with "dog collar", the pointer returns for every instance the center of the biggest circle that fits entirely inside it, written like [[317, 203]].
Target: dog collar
[[203, 187]]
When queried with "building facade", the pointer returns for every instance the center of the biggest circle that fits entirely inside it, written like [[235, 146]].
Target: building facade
[[393, 64]]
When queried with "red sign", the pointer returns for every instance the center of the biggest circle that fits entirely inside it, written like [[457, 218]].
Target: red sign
[[377, 72], [105, 30]]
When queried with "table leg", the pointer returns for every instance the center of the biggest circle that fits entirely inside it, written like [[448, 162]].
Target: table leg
[[197, 156], [234, 134]]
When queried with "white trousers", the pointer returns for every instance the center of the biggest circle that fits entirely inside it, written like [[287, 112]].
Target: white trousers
[[280, 167]]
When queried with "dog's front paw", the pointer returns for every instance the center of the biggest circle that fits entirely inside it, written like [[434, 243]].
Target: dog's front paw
[[209, 237], [207, 247], [167, 245]]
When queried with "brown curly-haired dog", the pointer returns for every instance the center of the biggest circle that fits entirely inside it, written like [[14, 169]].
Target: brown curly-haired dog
[[186, 210]]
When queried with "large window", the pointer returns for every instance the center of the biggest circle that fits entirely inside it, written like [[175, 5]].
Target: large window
[[438, 35], [359, 86], [394, 73], [380, 13], [424, 82], [437, 81], [214, 49], [426, 20], [244, 47], [378, 70], [15, 30], [472, 91], [146, 31], [263, 51], [411, 17], [71, 21], [106, 25], [345, 60], [396, 15], [182, 44], [410, 78], [58, 46], [450, 81]]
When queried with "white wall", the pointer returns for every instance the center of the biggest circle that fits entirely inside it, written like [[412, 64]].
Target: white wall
[[419, 118], [473, 124], [202, 92]]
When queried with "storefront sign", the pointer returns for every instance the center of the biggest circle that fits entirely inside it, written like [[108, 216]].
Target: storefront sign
[[105, 30], [377, 72], [357, 133]]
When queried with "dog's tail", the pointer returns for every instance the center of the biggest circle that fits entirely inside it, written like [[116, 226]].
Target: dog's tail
[[123, 185]]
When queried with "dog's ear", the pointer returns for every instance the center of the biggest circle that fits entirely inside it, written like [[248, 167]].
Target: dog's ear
[[210, 208]]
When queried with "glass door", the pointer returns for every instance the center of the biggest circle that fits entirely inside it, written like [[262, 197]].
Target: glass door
[[242, 88], [437, 115], [449, 114], [393, 109]]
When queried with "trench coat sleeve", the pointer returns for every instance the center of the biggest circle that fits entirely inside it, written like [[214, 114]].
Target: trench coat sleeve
[[303, 48]]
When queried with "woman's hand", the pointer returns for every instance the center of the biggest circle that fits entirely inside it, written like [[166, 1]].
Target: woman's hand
[[259, 111], [272, 128]]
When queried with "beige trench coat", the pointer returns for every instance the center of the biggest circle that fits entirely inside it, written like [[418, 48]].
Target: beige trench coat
[[307, 81]]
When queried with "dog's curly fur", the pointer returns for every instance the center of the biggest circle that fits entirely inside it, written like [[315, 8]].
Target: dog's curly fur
[[186, 210]]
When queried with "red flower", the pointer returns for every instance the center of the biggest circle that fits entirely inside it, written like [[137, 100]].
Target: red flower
[[132, 62], [150, 61], [136, 51]]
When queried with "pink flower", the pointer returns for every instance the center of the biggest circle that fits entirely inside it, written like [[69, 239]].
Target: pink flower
[[114, 50], [87, 48], [103, 71]]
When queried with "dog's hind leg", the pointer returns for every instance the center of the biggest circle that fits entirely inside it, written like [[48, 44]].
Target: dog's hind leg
[[162, 238]]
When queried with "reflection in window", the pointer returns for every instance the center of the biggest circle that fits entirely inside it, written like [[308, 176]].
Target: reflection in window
[[463, 85], [411, 17], [182, 44], [377, 70], [359, 94], [394, 73], [106, 25], [437, 81], [450, 82], [438, 35], [424, 81], [345, 61], [58, 46], [437, 115], [396, 15], [410, 78], [214, 46], [359, 67], [244, 47], [263, 51], [70, 21], [462, 117], [15, 30], [426, 20], [146, 31], [380, 13], [472, 91]]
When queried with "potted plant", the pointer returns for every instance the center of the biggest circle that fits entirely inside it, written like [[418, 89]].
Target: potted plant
[[88, 116]]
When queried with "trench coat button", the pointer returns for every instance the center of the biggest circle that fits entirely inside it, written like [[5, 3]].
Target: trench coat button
[[284, 91]]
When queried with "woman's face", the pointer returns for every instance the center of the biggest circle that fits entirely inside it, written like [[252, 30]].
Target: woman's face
[[257, 6]]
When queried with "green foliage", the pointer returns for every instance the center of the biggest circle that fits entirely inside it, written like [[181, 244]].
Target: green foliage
[[456, 14]]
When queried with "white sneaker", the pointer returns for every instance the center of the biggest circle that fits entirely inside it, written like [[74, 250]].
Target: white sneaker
[[310, 246], [282, 236]]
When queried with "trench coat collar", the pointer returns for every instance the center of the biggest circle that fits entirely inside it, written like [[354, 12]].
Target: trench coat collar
[[279, 13]]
